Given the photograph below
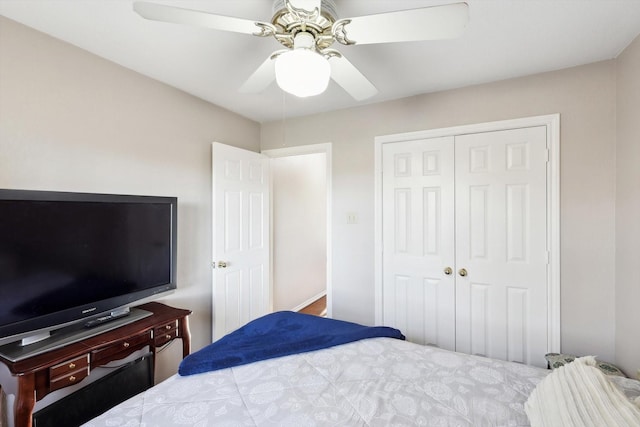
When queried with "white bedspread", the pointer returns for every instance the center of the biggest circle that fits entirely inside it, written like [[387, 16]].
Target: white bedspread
[[374, 382]]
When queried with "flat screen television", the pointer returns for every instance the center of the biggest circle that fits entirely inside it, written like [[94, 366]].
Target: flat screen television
[[71, 258]]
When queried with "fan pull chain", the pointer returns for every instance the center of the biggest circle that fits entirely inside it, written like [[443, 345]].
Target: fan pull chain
[[284, 121]]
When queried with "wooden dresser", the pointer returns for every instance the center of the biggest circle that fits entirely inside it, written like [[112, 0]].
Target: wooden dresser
[[39, 375]]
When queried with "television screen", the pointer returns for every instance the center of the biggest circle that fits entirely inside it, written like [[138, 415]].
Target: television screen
[[67, 256]]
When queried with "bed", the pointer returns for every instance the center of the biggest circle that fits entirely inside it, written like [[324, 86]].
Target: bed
[[372, 381]]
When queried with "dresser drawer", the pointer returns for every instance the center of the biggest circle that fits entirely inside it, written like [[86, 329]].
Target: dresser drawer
[[69, 372], [164, 333], [68, 379], [68, 366], [119, 349], [162, 339], [165, 329]]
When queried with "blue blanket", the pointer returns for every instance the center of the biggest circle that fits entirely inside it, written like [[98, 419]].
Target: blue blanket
[[275, 335]]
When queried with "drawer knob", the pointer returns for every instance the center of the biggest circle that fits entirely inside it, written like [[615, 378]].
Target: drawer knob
[[126, 345], [72, 378], [72, 365], [168, 337], [167, 327]]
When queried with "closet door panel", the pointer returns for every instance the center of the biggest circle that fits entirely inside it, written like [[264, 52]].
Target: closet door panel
[[501, 243], [418, 297]]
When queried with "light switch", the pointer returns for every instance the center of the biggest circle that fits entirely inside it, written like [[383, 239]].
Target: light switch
[[352, 218]]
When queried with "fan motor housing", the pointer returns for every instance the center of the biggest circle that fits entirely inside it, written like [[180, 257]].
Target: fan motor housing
[[290, 22]]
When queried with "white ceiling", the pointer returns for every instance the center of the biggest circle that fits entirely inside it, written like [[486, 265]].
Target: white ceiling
[[504, 39]]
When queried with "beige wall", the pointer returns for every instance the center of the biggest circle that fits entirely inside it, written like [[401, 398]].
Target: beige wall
[[71, 121], [74, 122], [628, 210], [585, 98], [299, 232]]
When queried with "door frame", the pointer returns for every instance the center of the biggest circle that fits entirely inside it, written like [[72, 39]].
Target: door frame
[[324, 148], [552, 123]]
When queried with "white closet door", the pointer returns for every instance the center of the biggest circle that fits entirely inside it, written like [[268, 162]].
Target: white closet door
[[501, 242], [418, 240]]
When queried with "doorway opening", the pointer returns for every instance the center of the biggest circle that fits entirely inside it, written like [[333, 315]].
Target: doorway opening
[[301, 228]]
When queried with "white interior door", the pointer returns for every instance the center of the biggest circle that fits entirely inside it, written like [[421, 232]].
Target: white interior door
[[418, 240], [501, 243], [240, 207]]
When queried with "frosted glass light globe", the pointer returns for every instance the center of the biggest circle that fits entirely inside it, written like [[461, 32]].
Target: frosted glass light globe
[[302, 72]]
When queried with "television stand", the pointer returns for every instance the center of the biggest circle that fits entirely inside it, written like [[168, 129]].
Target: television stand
[[16, 351], [55, 369]]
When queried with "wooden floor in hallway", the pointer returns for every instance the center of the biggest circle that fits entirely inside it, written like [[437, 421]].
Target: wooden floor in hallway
[[316, 308]]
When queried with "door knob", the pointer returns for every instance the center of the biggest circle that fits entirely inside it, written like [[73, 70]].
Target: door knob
[[222, 264], [462, 272], [448, 271]]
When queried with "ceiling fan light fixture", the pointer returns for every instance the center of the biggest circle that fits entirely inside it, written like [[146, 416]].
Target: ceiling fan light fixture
[[302, 72], [308, 28]]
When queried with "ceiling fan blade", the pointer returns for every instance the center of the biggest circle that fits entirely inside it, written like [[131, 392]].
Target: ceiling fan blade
[[177, 15], [262, 77], [308, 5], [350, 78], [428, 23]]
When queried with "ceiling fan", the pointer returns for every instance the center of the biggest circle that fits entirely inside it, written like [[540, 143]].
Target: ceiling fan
[[308, 28]]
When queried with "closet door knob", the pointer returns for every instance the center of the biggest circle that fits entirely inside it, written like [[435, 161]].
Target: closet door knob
[[448, 271], [222, 264], [462, 272]]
